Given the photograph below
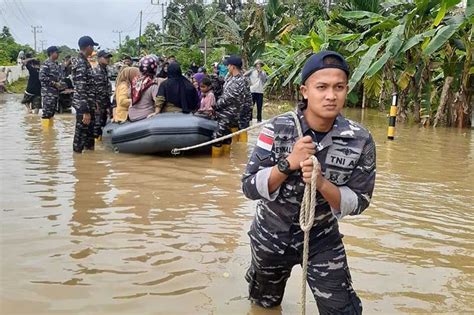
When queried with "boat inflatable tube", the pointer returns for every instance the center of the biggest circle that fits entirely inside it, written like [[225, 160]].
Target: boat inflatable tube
[[158, 134]]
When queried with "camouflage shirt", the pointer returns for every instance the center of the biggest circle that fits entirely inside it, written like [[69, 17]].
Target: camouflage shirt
[[347, 157], [84, 94], [236, 93], [103, 88], [50, 73]]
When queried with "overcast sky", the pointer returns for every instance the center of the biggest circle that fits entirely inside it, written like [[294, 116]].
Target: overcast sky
[[64, 21]]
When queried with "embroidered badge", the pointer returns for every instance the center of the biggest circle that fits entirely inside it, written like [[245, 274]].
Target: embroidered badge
[[265, 139]]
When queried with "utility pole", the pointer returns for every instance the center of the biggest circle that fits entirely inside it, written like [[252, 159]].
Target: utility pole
[[43, 43], [163, 4], [139, 34], [36, 29], [120, 38]]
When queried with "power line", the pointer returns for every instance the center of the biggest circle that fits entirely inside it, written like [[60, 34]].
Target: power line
[[14, 11], [15, 36]]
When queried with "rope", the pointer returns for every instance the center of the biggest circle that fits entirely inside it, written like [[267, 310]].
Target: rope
[[308, 204], [176, 151], [307, 212]]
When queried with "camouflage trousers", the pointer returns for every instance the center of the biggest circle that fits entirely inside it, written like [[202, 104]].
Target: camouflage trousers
[[245, 116], [328, 272], [226, 119], [49, 105], [101, 117], [83, 135]]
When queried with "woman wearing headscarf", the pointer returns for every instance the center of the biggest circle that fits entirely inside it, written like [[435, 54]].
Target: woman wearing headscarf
[[176, 94], [144, 89], [123, 96], [198, 78]]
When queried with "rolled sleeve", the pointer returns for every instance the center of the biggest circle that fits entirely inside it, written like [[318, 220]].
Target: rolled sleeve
[[349, 202], [261, 183]]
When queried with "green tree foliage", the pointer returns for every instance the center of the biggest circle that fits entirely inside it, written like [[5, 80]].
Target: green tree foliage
[[9, 49], [409, 47]]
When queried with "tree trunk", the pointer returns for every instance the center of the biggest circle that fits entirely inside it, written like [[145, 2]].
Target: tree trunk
[[402, 113], [363, 97], [382, 94], [417, 90], [441, 114]]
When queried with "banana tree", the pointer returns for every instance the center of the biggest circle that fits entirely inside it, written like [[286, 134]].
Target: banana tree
[[406, 52]]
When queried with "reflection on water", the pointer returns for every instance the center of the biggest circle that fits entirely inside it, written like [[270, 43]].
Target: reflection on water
[[105, 233]]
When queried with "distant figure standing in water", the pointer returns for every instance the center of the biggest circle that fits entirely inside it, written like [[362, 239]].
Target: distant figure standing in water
[[103, 91], [50, 76], [83, 100]]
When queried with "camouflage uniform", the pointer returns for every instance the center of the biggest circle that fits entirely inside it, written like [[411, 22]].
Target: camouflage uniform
[[49, 75], [347, 157], [103, 90], [232, 107], [83, 102]]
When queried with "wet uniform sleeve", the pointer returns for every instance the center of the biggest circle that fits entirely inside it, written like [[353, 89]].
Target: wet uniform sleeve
[[231, 92], [357, 193], [259, 167]]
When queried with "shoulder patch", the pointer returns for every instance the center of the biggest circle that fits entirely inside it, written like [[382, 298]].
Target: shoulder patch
[[265, 139]]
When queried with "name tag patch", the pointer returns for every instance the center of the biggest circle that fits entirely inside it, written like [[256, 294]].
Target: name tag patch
[[343, 156]]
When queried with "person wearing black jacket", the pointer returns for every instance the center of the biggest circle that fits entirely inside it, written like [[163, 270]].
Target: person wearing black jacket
[[32, 96]]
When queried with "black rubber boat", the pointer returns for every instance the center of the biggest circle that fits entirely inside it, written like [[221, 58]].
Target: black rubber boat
[[158, 134]]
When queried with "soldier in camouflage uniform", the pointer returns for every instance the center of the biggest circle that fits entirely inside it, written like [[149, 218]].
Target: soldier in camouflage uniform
[[50, 77], [103, 91], [276, 175], [83, 100], [232, 107]]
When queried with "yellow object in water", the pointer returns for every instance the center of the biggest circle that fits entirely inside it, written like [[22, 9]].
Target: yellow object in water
[[47, 122], [217, 151], [243, 137], [98, 139], [226, 148], [236, 137]]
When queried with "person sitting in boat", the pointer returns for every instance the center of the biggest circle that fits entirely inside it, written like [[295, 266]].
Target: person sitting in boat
[[164, 71], [197, 80], [208, 100], [176, 94], [123, 98], [144, 90]]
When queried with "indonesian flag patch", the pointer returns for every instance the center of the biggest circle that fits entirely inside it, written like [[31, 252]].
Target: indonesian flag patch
[[265, 139]]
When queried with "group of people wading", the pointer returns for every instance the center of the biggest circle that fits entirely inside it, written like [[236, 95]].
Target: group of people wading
[[155, 86]]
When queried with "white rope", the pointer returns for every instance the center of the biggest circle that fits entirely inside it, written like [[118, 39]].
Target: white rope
[[176, 151], [307, 212]]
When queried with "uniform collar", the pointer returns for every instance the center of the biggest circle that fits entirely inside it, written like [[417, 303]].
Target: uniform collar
[[340, 129]]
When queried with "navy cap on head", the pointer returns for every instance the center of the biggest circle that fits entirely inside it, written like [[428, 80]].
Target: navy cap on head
[[233, 60], [104, 53], [323, 60], [52, 49], [85, 41]]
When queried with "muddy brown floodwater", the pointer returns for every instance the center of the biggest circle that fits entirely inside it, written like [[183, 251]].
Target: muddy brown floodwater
[[105, 233]]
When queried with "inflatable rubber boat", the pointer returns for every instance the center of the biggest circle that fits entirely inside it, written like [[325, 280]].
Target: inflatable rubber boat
[[158, 134]]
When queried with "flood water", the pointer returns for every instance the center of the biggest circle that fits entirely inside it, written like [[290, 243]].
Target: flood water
[[106, 233]]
